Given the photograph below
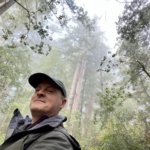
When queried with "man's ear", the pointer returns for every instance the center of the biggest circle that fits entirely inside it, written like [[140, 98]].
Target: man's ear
[[63, 102]]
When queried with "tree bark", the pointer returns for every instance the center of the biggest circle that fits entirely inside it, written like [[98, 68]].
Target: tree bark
[[73, 87], [89, 109], [77, 97], [5, 4], [76, 88]]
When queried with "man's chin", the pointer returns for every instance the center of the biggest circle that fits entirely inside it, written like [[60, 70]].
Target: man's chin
[[37, 110]]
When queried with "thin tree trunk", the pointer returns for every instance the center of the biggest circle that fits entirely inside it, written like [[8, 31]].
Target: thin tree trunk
[[5, 4], [144, 88], [89, 108]]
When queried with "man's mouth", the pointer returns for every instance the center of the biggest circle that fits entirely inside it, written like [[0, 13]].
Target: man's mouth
[[39, 100]]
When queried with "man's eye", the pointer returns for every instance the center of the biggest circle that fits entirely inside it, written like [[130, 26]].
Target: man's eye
[[50, 91], [36, 90]]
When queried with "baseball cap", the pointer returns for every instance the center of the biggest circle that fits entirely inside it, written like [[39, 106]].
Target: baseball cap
[[36, 78]]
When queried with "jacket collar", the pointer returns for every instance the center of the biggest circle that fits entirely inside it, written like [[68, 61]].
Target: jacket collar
[[53, 122], [18, 123]]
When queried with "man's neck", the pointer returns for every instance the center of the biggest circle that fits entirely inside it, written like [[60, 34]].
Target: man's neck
[[37, 121]]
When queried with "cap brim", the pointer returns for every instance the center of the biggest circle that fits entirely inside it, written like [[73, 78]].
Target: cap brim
[[37, 78]]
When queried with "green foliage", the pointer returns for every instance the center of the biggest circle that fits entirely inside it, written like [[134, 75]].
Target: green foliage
[[118, 117], [35, 18], [133, 27], [12, 69], [137, 58], [121, 126], [135, 20], [109, 101], [110, 98], [121, 136]]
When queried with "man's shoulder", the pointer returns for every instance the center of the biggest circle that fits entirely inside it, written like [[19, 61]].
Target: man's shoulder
[[71, 139], [61, 134], [50, 128]]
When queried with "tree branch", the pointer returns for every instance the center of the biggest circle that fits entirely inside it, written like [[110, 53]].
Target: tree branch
[[143, 68], [123, 1], [22, 6]]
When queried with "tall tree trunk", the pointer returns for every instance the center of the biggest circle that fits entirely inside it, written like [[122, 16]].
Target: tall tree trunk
[[77, 86], [146, 133], [73, 87], [74, 104], [77, 97], [88, 115]]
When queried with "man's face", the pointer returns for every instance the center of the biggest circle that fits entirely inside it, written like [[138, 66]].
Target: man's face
[[46, 100]]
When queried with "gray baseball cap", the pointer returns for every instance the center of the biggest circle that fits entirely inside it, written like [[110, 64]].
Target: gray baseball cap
[[36, 78]]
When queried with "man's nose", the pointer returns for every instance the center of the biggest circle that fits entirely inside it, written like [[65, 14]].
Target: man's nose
[[40, 93]]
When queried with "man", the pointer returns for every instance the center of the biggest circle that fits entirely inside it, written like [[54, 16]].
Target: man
[[45, 131]]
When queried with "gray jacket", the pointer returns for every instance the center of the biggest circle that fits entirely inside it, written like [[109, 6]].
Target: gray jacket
[[49, 134]]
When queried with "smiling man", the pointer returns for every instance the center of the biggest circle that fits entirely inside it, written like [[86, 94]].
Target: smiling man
[[45, 130]]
